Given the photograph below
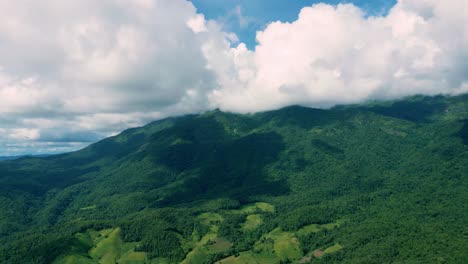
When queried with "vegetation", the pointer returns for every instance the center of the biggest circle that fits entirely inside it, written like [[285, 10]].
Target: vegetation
[[374, 183]]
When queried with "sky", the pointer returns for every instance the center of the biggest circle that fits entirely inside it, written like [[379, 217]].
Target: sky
[[74, 72], [246, 17]]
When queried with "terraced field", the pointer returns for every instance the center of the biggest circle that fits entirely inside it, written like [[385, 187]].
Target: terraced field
[[106, 246]]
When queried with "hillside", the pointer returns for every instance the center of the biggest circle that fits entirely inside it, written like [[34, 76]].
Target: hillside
[[8, 158], [383, 182], [25, 156]]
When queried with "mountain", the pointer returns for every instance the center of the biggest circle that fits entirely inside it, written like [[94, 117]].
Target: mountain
[[23, 156], [382, 182], [8, 158]]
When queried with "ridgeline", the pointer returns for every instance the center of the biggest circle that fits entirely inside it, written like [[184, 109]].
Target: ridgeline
[[374, 183]]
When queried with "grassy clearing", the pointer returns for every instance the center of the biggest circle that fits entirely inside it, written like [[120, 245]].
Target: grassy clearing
[[133, 258], [208, 237], [198, 255], [288, 248], [252, 222], [210, 243], [284, 244], [265, 207], [91, 207], [333, 225], [317, 253], [74, 259], [335, 248], [314, 228], [178, 141], [250, 258], [160, 261], [107, 250], [220, 245], [210, 218], [316, 130], [308, 229], [104, 246], [256, 208]]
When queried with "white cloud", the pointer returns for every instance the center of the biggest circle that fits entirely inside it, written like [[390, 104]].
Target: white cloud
[[336, 54], [197, 23], [24, 134], [100, 66], [75, 71]]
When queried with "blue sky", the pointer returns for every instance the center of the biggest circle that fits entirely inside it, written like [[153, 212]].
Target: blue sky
[[258, 13]]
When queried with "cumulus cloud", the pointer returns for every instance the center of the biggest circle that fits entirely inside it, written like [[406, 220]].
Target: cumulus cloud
[[74, 72], [337, 54], [87, 69]]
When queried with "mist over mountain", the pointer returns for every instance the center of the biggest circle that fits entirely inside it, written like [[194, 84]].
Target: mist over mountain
[[382, 182]]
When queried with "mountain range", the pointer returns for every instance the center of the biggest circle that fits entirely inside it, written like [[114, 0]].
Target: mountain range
[[22, 156], [382, 182]]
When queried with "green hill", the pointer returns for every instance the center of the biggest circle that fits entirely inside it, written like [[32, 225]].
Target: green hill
[[382, 182]]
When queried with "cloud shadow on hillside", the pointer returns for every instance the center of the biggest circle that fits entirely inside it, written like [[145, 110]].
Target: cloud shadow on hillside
[[215, 164]]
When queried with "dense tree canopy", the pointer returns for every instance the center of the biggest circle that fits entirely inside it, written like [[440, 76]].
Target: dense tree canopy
[[373, 183]]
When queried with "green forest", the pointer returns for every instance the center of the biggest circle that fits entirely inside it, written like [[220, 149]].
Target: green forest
[[380, 182]]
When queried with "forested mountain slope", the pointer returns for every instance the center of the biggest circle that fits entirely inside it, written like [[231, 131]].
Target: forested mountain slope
[[374, 183]]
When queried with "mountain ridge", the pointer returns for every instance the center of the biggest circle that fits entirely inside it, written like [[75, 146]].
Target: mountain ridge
[[363, 166]]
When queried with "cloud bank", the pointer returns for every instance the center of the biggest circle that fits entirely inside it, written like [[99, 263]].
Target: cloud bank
[[71, 73], [335, 54]]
